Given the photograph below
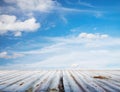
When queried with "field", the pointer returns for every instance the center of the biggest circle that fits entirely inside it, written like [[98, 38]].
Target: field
[[60, 81]]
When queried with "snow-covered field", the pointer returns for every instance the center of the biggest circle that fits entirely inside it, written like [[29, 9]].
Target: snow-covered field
[[60, 81]]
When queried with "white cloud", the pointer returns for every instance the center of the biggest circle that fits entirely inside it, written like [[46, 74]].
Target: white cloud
[[46, 6], [80, 51], [17, 33], [104, 36], [6, 55], [75, 65], [92, 36], [79, 2], [34, 5], [85, 4], [10, 23]]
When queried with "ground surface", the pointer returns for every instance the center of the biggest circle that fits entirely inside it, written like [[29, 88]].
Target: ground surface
[[60, 81]]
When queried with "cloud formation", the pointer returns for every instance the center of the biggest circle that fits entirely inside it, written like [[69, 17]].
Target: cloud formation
[[75, 52], [46, 6], [10, 23], [29, 9], [6, 55], [93, 36], [34, 5]]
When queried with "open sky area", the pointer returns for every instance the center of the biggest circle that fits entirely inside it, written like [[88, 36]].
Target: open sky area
[[59, 34]]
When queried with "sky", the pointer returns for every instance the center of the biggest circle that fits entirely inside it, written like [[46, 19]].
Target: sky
[[59, 34]]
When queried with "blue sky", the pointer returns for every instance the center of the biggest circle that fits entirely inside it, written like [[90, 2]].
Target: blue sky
[[55, 34]]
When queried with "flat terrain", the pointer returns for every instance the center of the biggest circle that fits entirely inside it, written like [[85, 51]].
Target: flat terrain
[[60, 81]]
